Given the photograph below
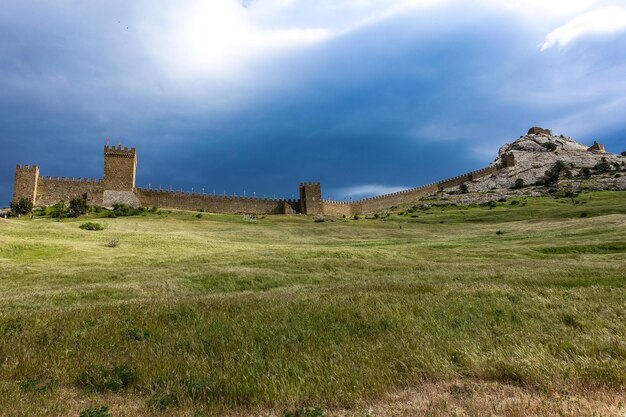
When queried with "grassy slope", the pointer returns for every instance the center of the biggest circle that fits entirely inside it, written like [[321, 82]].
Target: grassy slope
[[219, 313]]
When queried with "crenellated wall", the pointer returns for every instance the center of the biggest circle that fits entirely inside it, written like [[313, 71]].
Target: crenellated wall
[[53, 190], [337, 208], [215, 203], [118, 186], [382, 202]]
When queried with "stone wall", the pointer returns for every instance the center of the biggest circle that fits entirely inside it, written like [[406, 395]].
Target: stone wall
[[379, 203], [118, 186], [215, 203], [337, 208], [53, 190]]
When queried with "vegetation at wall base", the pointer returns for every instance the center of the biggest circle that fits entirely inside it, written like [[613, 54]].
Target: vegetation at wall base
[[21, 207], [222, 316]]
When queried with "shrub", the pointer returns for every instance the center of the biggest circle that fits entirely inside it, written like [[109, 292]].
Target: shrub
[[198, 216], [519, 183], [91, 226], [77, 207], [552, 175], [59, 210], [96, 412], [549, 146], [463, 188], [124, 210], [568, 174], [21, 207], [113, 243], [356, 217], [623, 153], [585, 172], [603, 166], [499, 232]]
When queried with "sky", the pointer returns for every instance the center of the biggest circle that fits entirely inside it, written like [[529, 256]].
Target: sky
[[255, 96]]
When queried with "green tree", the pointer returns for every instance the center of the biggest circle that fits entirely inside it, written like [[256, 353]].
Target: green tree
[[78, 206], [21, 206], [59, 210]]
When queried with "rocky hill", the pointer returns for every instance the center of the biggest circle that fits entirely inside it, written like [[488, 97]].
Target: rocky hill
[[546, 164]]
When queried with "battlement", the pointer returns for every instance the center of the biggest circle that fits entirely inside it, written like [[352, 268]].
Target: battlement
[[119, 152], [49, 179], [32, 168], [302, 184]]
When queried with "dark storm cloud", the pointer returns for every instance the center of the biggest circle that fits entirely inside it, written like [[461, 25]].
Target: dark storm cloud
[[399, 102]]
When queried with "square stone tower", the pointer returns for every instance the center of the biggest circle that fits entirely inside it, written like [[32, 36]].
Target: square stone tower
[[120, 166], [311, 198], [25, 185]]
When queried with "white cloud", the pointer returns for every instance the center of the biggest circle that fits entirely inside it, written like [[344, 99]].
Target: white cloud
[[367, 190], [221, 39], [598, 22]]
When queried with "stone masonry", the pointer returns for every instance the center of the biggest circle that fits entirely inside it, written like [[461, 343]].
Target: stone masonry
[[118, 186]]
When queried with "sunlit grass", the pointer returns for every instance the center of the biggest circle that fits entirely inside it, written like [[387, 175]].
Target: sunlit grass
[[220, 313]]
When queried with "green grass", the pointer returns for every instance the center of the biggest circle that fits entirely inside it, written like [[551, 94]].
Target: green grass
[[219, 313]]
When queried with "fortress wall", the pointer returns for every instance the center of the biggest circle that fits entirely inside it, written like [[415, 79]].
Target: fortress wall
[[336, 208], [378, 203], [386, 201], [214, 204], [52, 190]]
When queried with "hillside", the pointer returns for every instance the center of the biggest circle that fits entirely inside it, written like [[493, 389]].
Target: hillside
[[536, 153], [510, 309]]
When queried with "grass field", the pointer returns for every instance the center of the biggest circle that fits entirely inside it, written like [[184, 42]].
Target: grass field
[[509, 310]]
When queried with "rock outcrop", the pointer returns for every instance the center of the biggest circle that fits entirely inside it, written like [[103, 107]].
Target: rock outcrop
[[580, 167]]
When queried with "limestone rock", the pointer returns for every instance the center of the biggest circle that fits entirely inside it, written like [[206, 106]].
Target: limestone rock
[[536, 153]]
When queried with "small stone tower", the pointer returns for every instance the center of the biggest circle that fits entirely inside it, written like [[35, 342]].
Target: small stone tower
[[120, 166], [25, 185], [507, 159], [597, 148], [311, 198]]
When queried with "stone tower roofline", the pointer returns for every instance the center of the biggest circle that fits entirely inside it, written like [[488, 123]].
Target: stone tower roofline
[[119, 152]]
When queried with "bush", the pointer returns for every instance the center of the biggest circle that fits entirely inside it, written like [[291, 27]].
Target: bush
[[198, 216], [356, 217], [623, 153], [96, 412], [113, 243], [91, 226], [549, 146], [78, 207], [21, 207], [552, 175], [124, 210], [463, 188], [603, 166], [585, 173], [519, 183], [59, 210]]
